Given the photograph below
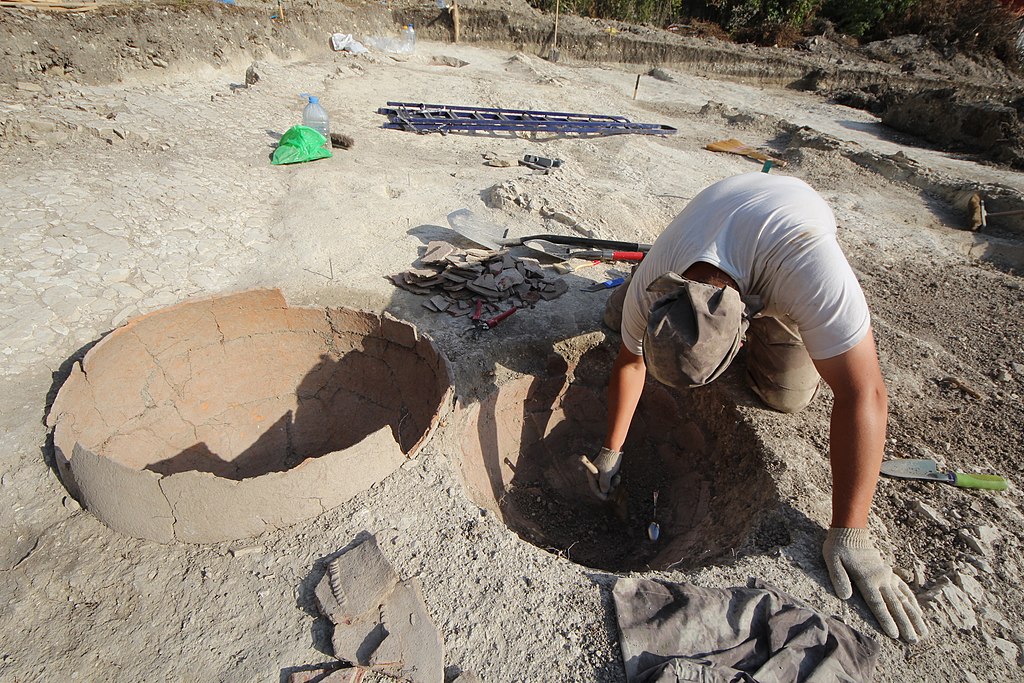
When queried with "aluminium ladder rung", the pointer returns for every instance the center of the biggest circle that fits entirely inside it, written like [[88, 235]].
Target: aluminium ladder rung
[[441, 118]]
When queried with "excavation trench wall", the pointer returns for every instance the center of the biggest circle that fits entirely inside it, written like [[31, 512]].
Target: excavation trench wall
[[104, 45], [107, 44], [222, 418], [520, 458]]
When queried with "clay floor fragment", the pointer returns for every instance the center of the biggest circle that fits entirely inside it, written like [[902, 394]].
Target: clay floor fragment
[[221, 418], [520, 459]]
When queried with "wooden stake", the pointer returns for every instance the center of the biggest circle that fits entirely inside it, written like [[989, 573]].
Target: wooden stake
[[637, 86], [454, 9], [555, 46]]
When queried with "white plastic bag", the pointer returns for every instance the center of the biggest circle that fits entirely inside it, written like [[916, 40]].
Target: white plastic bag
[[345, 42]]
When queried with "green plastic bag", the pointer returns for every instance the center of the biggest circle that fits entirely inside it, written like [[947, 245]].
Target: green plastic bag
[[298, 144]]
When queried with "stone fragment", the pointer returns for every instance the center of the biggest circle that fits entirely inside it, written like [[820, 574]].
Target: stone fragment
[[1008, 649], [252, 77], [969, 585], [445, 60], [468, 677], [929, 512], [25, 86], [973, 542], [949, 600], [980, 564], [988, 534], [987, 613], [660, 75]]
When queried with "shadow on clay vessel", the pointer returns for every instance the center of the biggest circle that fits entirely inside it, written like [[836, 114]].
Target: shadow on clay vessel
[[520, 459]]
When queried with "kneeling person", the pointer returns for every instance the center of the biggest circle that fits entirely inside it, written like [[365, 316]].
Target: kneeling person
[[755, 258]]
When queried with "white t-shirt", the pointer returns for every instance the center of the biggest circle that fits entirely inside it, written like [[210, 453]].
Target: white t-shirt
[[776, 237]]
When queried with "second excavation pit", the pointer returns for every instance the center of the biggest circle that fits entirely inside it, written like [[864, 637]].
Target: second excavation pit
[[520, 459]]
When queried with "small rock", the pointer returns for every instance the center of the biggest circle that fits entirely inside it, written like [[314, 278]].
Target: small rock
[[252, 77], [971, 542], [71, 504], [1018, 368], [989, 614], [159, 62], [442, 60], [1003, 376], [974, 590], [241, 551], [919, 573], [980, 564], [929, 512], [948, 599], [988, 534], [25, 86], [1009, 650], [661, 75]]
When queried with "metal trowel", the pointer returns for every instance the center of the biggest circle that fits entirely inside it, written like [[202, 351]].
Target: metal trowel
[[925, 469]]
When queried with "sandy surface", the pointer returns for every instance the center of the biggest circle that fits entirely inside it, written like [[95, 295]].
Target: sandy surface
[[159, 188]]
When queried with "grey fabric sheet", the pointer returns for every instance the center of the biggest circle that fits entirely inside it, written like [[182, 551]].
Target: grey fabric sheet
[[678, 632]]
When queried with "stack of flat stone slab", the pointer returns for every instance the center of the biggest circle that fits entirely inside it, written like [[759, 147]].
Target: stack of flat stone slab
[[456, 279]]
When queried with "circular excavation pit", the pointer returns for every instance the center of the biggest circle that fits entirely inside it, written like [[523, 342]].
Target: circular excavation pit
[[223, 418], [715, 498]]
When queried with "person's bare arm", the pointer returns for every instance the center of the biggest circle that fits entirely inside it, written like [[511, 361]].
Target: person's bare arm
[[857, 436], [856, 442], [624, 389]]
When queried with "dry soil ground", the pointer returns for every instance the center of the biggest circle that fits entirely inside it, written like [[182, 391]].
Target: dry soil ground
[[129, 189]]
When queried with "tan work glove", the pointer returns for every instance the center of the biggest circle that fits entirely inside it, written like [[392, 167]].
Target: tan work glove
[[850, 554], [603, 471]]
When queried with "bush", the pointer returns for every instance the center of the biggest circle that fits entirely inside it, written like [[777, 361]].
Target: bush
[[981, 27], [862, 17]]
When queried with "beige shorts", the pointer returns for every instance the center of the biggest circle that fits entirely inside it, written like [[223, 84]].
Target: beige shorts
[[779, 369]]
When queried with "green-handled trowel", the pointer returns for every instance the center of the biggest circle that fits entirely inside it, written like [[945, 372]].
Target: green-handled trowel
[[927, 470]]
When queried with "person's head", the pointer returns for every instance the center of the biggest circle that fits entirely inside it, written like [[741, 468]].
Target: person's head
[[693, 332]]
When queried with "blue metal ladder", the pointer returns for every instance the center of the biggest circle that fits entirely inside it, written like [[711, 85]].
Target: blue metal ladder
[[446, 118]]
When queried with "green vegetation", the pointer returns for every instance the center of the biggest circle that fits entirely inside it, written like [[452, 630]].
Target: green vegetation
[[979, 26]]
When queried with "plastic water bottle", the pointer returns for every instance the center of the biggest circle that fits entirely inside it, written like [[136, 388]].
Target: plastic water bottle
[[408, 39], [314, 116]]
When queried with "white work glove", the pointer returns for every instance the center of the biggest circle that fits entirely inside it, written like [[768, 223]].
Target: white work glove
[[603, 471], [850, 554]]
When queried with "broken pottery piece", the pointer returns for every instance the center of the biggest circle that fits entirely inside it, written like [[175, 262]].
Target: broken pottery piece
[[441, 303], [554, 289], [222, 418], [437, 252], [509, 278], [379, 621]]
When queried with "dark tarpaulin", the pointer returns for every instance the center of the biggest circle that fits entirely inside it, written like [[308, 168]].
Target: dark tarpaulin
[[678, 632]]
